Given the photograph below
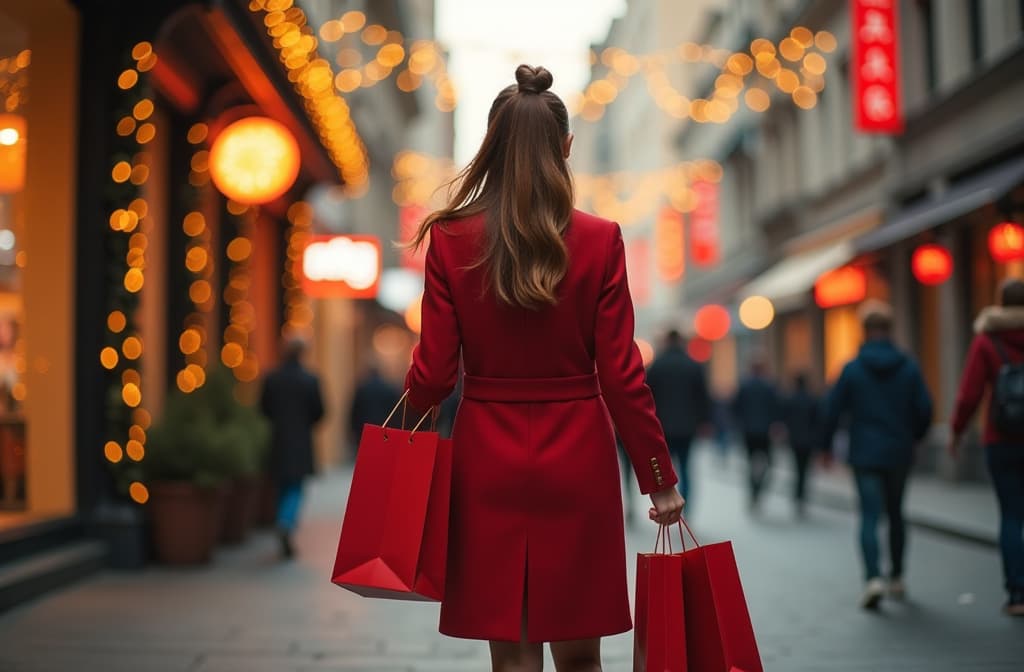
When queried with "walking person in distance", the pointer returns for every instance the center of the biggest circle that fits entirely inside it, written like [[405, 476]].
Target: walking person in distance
[[995, 364], [802, 417], [757, 410], [292, 403], [681, 397], [884, 396], [532, 294]]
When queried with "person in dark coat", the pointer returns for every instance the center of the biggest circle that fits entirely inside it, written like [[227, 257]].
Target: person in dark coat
[[802, 417], [683, 405], [374, 399], [757, 412], [999, 341], [292, 403], [889, 410]]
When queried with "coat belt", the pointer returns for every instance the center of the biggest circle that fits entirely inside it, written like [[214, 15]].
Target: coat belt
[[565, 388]]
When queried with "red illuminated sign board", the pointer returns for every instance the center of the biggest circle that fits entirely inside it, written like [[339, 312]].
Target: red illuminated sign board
[[409, 219], [638, 259], [841, 287], [341, 267], [704, 224], [875, 68], [670, 245]]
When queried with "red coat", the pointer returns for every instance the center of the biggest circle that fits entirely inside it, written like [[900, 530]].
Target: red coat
[[536, 499], [983, 364]]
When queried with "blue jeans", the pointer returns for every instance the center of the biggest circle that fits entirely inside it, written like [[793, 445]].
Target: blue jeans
[[679, 449], [881, 490], [1006, 464], [289, 501]]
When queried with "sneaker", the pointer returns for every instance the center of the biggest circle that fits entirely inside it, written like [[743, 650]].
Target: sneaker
[[1015, 605], [897, 589], [874, 591]]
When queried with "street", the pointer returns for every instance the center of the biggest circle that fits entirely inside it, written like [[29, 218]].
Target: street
[[252, 613]]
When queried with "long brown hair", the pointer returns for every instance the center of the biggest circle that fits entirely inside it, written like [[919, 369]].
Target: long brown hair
[[520, 179]]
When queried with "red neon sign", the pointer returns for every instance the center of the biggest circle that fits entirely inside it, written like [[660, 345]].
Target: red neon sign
[[875, 67], [704, 224]]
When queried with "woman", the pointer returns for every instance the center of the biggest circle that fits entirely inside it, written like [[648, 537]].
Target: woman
[[532, 294]]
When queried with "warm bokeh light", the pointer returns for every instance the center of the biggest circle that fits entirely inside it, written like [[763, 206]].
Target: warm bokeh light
[[112, 451], [711, 322], [195, 259], [239, 249], [646, 351], [138, 492], [841, 287], [931, 264], [12, 153], [134, 450], [1006, 242], [133, 280], [756, 312], [116, 321], [190, 341], [414, 315], [109, 357], [232, 355], [132, 347], [699, 349], [142, 418], [254, 160], [131, 394], [186, 381]]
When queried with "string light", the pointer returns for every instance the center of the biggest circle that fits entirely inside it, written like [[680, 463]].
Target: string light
[[298, 313], [236, 353]]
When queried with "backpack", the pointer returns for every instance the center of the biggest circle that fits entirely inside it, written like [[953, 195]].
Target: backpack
[[1008, 394]]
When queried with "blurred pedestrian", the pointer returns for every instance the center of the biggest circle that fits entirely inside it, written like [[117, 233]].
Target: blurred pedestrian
[[995, 363], [291, 401], [532, 296], [757, 412], [721, 421], [681, 397], [374, 398], [802, 418], [889, 409]]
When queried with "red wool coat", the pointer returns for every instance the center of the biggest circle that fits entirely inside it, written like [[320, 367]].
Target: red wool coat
[[536, 520]]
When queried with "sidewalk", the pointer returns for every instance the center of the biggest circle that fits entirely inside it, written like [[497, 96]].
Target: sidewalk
[[967, 511]]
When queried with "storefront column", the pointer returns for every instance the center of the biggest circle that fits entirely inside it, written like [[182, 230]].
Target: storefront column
[[334, 357]]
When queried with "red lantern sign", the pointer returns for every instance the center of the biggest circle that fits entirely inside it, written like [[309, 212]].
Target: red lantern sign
[[704, 224], [1006, 242], [342, 267], [711, 322], [931, 264], [875, 68], [841, 287]]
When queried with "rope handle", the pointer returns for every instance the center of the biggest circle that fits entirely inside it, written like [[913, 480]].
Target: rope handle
[[664, 538], [433, 413]]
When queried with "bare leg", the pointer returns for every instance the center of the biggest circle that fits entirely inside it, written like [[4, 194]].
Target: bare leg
[[578, 655], [521, 656]]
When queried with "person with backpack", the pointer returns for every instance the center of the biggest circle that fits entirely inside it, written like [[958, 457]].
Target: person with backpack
[[883, 395], [995, 362]]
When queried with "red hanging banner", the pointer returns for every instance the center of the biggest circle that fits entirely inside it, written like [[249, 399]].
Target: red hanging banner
[[874, 68], [704, 224]]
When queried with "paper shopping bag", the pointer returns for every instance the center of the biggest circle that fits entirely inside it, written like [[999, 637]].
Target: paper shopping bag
[[394, 536], [720, 636], [659, 635]]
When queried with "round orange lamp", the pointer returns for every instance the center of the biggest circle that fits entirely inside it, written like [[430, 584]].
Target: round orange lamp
[[254, 160], [931, 264], [12, 153], [711, 322], [1006, 242]]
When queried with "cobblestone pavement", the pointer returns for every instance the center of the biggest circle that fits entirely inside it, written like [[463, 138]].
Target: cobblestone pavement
[[251, 613]]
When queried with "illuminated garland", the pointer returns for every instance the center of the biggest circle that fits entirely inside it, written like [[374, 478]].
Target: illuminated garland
[[236, 353], [298, 313], [802, 79], [199, 262], [126, 418], [625, 197], [313, 79]]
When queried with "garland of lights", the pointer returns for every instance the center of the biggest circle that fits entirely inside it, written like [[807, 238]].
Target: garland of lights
[[199, 262], [298, 313], [126, 419], [236, 353], [801, 47]]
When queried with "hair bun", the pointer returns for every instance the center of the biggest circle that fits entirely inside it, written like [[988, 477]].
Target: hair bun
[[533, 80]]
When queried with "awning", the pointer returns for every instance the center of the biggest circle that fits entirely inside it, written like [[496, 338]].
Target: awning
[[960, 199], [787, 282]]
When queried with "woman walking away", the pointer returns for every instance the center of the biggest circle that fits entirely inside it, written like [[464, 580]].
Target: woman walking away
[[996, 361], [532, 294]]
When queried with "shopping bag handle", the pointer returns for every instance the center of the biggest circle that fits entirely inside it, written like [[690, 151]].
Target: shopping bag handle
[[404, 403], [664, 539]]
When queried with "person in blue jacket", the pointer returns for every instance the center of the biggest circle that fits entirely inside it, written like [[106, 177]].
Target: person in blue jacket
[[757, 409], [883, 396]]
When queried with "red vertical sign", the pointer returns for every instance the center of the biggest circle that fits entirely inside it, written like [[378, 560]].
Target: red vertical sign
[[704, 224], [638, 259], [875, 71], [409, 219]]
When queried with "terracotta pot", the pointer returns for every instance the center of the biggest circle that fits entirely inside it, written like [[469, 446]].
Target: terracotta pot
[[180, 513], [218, 511], [266, 508], [240, 512]]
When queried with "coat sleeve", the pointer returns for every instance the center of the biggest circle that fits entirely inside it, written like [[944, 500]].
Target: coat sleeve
[[435, 362], [975, 379], [620, 369]]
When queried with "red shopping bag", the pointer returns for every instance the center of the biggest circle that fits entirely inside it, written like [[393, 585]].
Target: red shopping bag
[[720, 636], [659, 636], [394, 538]]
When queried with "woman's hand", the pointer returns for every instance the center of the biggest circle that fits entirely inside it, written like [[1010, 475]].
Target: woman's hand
[[668, 506]]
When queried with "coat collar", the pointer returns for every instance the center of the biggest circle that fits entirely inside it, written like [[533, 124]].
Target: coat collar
[[999, 318]]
